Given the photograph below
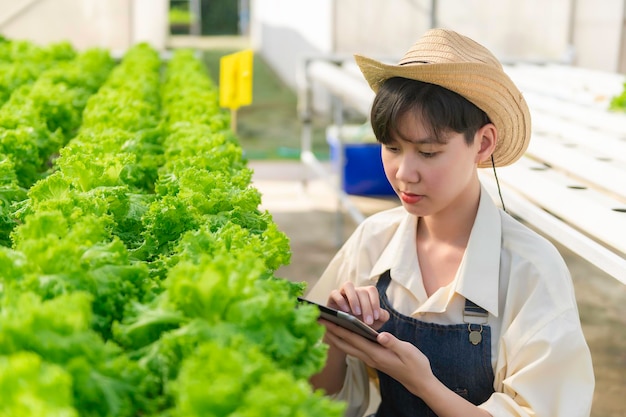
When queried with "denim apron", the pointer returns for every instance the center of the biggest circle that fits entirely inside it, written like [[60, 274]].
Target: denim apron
[[459, 355]]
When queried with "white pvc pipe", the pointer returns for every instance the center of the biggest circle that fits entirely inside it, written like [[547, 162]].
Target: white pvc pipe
[[352, 91], [598, 255]]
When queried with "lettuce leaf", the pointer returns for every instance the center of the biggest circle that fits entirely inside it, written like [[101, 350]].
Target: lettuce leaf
[[30, 387]]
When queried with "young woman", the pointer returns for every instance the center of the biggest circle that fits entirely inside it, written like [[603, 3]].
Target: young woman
[[476, 312]]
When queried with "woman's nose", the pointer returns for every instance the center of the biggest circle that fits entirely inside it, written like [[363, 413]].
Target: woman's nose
[[408, 169]]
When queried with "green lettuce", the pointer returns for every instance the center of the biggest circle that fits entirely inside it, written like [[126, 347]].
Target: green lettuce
[[30, 387], [243, 382]]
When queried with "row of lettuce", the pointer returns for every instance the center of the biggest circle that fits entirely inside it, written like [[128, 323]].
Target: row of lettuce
[[137, 268], [43, 92]]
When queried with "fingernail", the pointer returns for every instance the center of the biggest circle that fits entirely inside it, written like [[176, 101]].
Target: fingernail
[[357, 310], [376, 314], [368, 320]]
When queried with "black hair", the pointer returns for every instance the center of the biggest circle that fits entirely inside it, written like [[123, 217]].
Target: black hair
[[441, 109]]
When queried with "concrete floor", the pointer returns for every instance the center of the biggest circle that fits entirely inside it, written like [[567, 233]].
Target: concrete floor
[[306, 208]]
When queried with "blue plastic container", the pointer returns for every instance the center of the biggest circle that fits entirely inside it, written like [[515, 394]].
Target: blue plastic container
[[362, 170]]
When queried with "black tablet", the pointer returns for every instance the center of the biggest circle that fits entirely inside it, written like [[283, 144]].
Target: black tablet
[[345, 320]]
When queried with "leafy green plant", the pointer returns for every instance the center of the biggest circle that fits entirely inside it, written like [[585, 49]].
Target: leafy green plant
[[139, 278], [47, 387], [179, 16], [618, 102]]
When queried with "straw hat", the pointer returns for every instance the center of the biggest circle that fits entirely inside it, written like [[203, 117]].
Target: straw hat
[[455, 62]]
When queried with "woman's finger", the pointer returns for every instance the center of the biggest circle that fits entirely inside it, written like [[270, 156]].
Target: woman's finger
[[367, 309], [337, 300], [349, 342], [375, 300], [351, 294]]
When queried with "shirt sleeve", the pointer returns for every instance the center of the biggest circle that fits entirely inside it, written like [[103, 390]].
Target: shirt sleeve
[[543, 366], [355, 391], [357, 257], [345, 266], [551, 376]]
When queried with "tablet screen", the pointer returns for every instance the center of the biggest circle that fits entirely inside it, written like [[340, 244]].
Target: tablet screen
[[345, 320]]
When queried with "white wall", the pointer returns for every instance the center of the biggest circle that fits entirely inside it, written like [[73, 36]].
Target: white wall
[[511, 29], [287, 31], [379, 28], [586, 33], [598, 33], [149, 22], [113, 24], [312, 20]]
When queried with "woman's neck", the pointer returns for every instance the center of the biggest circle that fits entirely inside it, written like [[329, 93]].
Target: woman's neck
[[453, 225], [441, 241]]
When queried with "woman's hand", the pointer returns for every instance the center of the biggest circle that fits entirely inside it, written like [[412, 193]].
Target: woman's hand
[[362, 302], [400, 360], [406, 364]]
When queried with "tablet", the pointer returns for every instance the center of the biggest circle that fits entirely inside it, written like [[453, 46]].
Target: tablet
[[345, 320]]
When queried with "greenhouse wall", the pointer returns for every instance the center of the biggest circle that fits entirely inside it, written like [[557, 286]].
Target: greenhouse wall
[[567, 31], [286, 31], [598, 35], [513, 30], [113, 24]]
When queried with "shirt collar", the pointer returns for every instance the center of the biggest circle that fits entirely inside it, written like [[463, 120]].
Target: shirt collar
[[478, 276], [479, 273], [400, 258]]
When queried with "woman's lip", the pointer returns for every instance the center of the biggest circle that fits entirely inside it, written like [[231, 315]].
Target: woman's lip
[[410, 198]]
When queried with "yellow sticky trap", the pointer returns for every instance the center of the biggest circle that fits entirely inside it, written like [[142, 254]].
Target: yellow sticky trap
[[236, 79]]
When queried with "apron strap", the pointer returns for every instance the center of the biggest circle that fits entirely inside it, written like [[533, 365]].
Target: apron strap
[[474, 310], [383, 282]]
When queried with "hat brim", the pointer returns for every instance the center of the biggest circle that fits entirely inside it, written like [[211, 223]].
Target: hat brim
[[488, 88]]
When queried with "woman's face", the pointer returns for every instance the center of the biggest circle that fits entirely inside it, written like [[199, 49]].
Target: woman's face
[[431, 177]]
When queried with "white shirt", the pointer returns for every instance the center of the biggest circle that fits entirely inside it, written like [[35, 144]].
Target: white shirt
[[541, 361]]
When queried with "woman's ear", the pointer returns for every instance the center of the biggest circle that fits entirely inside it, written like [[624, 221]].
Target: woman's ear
[[487, 137]]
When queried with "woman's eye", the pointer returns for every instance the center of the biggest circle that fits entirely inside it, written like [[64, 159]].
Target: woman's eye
[[392, 149], [428, 154]]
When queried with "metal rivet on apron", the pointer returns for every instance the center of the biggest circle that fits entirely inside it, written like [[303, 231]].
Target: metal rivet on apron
[[475, 336]]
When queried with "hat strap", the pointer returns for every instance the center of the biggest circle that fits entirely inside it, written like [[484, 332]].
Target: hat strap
[[493, 164]]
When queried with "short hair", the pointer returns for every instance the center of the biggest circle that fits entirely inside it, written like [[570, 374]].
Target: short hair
[[441, 109]]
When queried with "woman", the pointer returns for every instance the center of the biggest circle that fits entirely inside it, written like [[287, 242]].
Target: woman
[[476, 312]]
